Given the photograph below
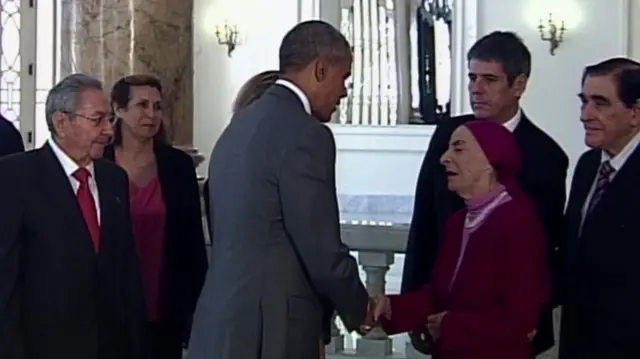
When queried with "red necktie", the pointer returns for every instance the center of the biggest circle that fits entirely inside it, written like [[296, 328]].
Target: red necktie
[[88, 206]]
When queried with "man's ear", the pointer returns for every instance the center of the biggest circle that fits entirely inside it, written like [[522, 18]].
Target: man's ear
[[59, 122], [116, 111], [635, 113], [320, 68], [520, 85]]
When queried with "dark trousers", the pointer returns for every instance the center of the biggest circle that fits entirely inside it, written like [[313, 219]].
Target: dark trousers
[[165, 340]]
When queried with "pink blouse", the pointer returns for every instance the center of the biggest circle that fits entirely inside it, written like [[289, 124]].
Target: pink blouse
[[478, 209], [148, 216]]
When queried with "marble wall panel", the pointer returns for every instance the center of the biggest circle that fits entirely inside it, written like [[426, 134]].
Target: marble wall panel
[[110, 39]]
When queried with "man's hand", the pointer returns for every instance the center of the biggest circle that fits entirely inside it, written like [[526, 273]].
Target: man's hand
[[369, 320], [433, 324], [378, 306], [382, 307]]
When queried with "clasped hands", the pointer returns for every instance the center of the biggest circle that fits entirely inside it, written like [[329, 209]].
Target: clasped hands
[[380, 306]]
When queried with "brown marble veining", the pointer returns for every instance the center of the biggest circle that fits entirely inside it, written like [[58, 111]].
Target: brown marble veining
[[109, 39]]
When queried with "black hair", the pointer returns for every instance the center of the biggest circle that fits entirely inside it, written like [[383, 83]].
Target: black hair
[[310, 40], [505, 48], [626, 74]]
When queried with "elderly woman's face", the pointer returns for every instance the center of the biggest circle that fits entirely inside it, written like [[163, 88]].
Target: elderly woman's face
[[465, 163]]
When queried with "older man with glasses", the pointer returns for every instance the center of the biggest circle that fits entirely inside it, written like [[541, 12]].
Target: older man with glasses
[[69, 280]]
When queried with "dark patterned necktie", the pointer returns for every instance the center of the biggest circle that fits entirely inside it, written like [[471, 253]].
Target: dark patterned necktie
[[603, 181]]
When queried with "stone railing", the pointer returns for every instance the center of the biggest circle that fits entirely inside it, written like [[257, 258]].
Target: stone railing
[[376, 245]]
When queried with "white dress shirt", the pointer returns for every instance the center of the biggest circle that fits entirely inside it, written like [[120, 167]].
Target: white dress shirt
[[70, 167], [514, 121], [616, 162], [296, 90]]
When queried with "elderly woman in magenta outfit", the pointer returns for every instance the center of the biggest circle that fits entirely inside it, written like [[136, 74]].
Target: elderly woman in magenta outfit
[[490, 278]]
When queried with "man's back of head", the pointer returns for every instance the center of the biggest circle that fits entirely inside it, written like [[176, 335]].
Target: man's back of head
[[317, 58]]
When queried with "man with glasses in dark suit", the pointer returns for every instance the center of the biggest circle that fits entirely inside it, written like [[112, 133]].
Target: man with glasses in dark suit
[[69, 280]]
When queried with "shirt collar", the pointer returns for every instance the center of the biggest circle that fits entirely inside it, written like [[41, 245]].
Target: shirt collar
[[296, 90], [68, 165], [514, 121], [618, 160]]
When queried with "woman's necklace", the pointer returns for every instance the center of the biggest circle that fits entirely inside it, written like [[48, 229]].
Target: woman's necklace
[[473, 221]]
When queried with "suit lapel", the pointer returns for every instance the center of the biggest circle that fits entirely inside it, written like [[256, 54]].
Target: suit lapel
[[623, 184], [55, 184], [523, 130], [585, 179]]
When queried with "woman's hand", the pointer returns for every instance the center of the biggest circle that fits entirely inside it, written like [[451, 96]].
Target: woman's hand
[[433, 324]]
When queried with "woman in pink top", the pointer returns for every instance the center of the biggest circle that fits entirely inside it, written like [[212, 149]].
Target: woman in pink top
[[166, 216]]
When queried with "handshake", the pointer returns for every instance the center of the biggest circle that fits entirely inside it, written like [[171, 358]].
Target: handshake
[[379, 306]]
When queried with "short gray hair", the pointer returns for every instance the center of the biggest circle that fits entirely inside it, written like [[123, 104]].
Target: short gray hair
[[63, 97], [310, 40]]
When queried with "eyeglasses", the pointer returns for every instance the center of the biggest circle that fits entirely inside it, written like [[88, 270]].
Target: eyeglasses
[[97, 121]]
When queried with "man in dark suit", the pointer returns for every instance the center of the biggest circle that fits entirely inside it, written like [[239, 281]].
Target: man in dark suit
[[499, 66], [69, 280], [600, 302], [10, 139], [278, 265]]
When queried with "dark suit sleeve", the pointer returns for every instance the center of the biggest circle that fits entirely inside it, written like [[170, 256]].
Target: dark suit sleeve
[[422, 244], [327, 316], [132, 277], [310, 211], [196, 254], [550, 198], [562, 254], [11, 340], [10, 139]]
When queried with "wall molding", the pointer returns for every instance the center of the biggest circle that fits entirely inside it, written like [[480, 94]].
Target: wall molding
[[384, 139], [308, 10]]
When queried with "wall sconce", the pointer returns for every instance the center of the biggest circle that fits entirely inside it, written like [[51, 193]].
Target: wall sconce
[[552, 33], [227, 35]]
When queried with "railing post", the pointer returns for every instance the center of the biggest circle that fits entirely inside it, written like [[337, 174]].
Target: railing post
[[376, 265]]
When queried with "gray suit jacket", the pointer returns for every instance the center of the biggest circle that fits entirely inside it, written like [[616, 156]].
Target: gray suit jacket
[[277, 262]]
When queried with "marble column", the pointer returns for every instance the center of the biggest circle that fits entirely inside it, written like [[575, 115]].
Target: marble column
[[110, 39]]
